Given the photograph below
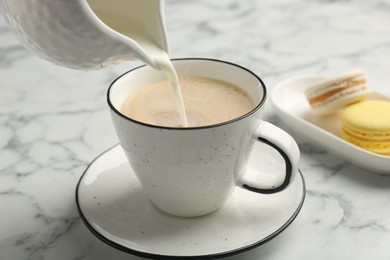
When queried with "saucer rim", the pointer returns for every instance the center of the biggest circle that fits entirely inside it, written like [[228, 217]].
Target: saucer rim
[[147, 255]]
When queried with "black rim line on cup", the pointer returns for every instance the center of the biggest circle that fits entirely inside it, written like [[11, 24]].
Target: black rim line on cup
[[147, 255], [260, 104]]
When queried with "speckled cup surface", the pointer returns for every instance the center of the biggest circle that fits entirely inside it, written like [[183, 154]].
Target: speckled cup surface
[[192, 171]]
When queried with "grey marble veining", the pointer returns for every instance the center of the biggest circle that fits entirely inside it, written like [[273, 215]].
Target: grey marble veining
[[54, 121]]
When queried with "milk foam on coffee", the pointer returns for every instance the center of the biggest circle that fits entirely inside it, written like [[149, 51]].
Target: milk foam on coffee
[[207, 101]]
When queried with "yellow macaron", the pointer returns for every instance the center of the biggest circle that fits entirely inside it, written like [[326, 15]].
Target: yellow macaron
[[367, 125]]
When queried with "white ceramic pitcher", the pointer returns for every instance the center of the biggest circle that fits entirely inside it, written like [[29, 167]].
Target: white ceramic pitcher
[[89, 34]]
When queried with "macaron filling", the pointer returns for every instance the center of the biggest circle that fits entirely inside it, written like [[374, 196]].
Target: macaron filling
[[334, 93], [337, 90]]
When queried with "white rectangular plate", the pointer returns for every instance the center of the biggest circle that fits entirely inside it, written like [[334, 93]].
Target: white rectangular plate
[[292, 107]]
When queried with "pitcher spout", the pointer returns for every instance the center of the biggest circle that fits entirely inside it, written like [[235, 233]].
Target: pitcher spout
[[137, 27]]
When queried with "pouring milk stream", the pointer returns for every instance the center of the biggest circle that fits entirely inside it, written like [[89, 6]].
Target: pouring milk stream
[[93, 34]]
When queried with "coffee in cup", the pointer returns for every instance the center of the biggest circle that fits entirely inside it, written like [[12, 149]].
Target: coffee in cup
[[207, 101]]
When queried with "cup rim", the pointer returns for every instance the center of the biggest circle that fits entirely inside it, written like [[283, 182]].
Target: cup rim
[[260, 103]]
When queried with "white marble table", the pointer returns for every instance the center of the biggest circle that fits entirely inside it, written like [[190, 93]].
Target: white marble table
[[54, 121]]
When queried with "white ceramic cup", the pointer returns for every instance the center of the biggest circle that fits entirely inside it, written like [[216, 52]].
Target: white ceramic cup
[[192, 171]]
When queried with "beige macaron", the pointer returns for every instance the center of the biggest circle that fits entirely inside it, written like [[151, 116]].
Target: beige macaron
[[332, 94]]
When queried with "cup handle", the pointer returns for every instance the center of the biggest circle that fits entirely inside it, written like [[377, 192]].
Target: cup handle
[[286, 146]]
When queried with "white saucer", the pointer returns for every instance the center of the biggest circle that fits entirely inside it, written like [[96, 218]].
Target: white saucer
[[113, 206], [292, 107]]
